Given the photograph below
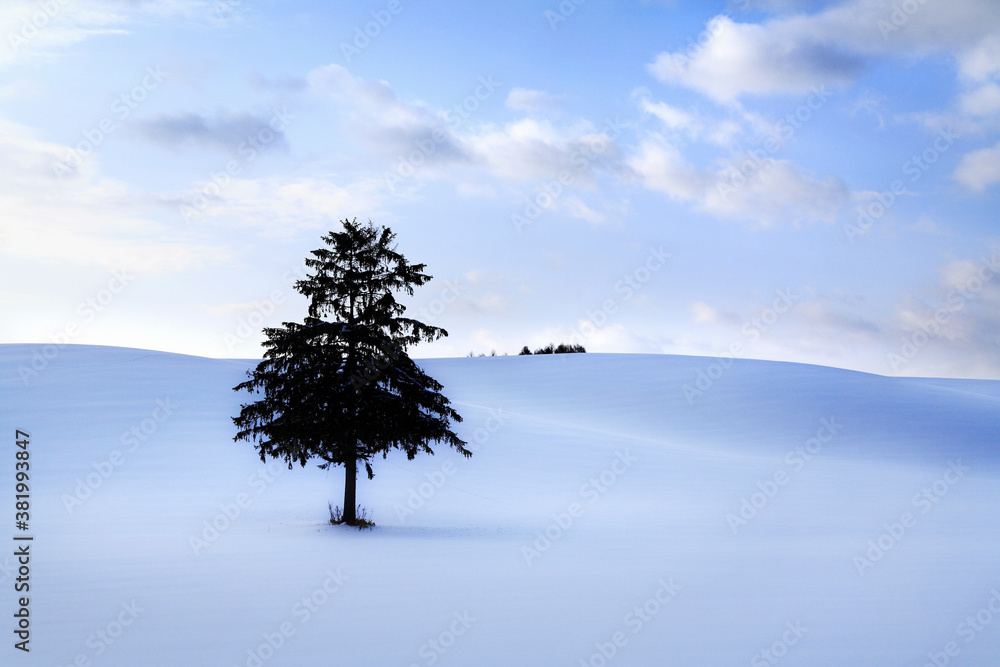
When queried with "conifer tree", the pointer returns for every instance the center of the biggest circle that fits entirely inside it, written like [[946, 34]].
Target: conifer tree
[[340, 386]]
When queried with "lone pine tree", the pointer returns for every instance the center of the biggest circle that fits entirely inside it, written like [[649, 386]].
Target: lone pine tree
[[343, 389]]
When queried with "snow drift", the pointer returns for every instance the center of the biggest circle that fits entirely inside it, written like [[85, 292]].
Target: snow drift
[[619, 509]]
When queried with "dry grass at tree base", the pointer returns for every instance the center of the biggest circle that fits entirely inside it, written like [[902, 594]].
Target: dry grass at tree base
[[361, 514]]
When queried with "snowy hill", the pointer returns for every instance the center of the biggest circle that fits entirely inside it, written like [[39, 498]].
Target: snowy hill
[[619, 510]]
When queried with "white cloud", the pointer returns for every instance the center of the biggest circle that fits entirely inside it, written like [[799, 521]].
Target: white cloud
[[578, 209], [979, 169], [950, 329], [526, 150], [741, 59], [384, 124], [694, 125], [662, 167], [792, 54], [672, 117], [778, 191], [477, 277], [767, 191], [84, 218], [982, 101], [536, 150], [340, 84], [702, 313], [982, 60], [486, 341]]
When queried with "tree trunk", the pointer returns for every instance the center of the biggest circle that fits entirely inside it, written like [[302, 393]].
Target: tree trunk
[[350, 491], [351, 466]]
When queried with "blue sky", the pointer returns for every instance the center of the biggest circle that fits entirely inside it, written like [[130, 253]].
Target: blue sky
[[783, 180]]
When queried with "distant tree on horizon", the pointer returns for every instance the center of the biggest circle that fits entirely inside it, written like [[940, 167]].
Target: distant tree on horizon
[[552, 348], [344, 390]]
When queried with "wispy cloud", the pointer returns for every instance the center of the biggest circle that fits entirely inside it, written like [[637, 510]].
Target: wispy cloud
[[29, 28]]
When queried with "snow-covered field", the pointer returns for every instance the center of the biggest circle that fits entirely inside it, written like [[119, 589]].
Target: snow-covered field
[[787, 514]]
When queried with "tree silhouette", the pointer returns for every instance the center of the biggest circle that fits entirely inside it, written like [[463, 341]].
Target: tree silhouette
[[344, 389]]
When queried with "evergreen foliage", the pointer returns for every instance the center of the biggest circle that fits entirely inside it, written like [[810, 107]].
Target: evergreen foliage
[[343, 389]]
